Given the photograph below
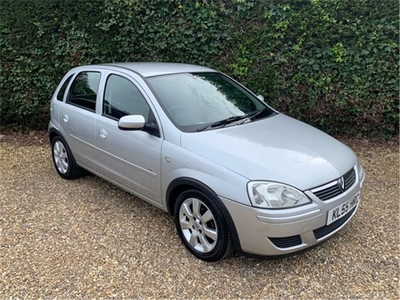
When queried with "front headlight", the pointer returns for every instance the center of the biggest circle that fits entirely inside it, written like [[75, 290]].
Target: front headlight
[[266, 194]]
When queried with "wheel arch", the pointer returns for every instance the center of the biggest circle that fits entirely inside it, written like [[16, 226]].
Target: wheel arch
[[179, 185], [54, 133]]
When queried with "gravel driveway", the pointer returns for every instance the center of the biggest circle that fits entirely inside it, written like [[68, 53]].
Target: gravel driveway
[[87, 239]]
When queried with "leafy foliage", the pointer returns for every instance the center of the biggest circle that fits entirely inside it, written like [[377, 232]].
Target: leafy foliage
[[156, 30], [332, 63], [40, 40]]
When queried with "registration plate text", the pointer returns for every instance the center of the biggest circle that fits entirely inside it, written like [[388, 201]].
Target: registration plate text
[[343, 209]]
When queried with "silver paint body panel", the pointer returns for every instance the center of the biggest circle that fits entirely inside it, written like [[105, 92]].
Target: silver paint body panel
[[277, 148]]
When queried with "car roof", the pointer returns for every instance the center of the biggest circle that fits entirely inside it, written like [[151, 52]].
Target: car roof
[[148, 69]]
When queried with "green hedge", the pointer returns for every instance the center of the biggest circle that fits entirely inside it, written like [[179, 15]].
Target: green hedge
[[331, 63]]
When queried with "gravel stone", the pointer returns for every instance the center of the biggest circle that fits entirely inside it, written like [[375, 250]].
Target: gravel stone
[[85, 238]]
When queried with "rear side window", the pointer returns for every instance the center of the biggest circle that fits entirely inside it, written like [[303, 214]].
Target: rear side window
[[61, 92], [123, 98], [83, 92]]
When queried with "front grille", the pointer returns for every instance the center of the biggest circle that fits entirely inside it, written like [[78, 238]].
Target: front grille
[[329, 192], [286, 242], [335, 188], [327, 229], [349, 179]]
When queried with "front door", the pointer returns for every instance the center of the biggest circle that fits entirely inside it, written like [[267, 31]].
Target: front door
[[130, 159]]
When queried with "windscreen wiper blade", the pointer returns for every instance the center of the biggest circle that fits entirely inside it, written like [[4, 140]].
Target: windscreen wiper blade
[[222, 123]]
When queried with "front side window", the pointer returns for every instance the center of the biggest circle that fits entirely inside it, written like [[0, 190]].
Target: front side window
[[123, 98], [83, 92], [195, 100]]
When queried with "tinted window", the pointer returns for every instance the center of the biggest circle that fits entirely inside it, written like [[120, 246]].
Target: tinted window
[[122, 98], [61, 92], [83, 92]]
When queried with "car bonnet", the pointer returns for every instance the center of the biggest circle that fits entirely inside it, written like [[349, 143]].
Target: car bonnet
[[277, 148]]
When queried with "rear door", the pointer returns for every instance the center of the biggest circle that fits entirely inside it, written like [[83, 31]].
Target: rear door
[[130, 159], [77, 116]]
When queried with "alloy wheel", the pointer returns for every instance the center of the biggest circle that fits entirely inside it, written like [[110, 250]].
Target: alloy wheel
[[60, 155], [198, 225]]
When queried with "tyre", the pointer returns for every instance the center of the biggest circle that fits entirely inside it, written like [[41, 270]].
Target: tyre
[[63, 160], [202, 226]]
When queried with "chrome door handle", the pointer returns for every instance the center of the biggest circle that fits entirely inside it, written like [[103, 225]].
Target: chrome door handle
[[103, 133], [65, 118]]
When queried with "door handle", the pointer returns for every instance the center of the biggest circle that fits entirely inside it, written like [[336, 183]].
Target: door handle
[[102, 133], [65, 118]]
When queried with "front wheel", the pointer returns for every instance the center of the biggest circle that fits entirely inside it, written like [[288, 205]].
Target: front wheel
[[202, 226]]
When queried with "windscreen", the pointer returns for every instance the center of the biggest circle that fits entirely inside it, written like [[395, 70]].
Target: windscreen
[[193, 100]]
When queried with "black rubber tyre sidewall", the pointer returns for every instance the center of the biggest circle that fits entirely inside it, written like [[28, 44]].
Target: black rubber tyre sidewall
[[224, 245], [73, 170]]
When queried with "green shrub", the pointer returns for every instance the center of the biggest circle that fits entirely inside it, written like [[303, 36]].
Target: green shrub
[[40, 40], [157, 30], [332, 63]]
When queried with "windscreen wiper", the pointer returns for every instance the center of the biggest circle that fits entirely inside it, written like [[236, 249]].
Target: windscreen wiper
[[222, 123]]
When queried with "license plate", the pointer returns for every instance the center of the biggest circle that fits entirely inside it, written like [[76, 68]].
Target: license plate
[[343, 209]]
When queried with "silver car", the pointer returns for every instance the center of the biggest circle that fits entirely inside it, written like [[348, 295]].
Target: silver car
[[235, 174]]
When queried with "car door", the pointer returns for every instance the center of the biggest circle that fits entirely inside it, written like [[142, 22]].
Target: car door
[[77, 116], [128, 158]]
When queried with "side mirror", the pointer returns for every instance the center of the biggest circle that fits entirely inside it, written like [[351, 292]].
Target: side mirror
[[137, 122], [261, 97], [132, 122]]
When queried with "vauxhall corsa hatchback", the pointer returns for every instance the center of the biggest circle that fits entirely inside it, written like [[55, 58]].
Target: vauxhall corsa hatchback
[[235, 174]]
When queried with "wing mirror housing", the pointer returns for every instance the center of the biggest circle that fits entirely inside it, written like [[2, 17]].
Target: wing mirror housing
[[131, 122], [261, 97], [137, 122]]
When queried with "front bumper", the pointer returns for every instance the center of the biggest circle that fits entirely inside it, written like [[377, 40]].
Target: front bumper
[[267, 232]]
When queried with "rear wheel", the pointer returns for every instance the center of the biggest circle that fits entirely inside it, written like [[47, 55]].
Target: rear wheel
[[202, 226], [63, 160]]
